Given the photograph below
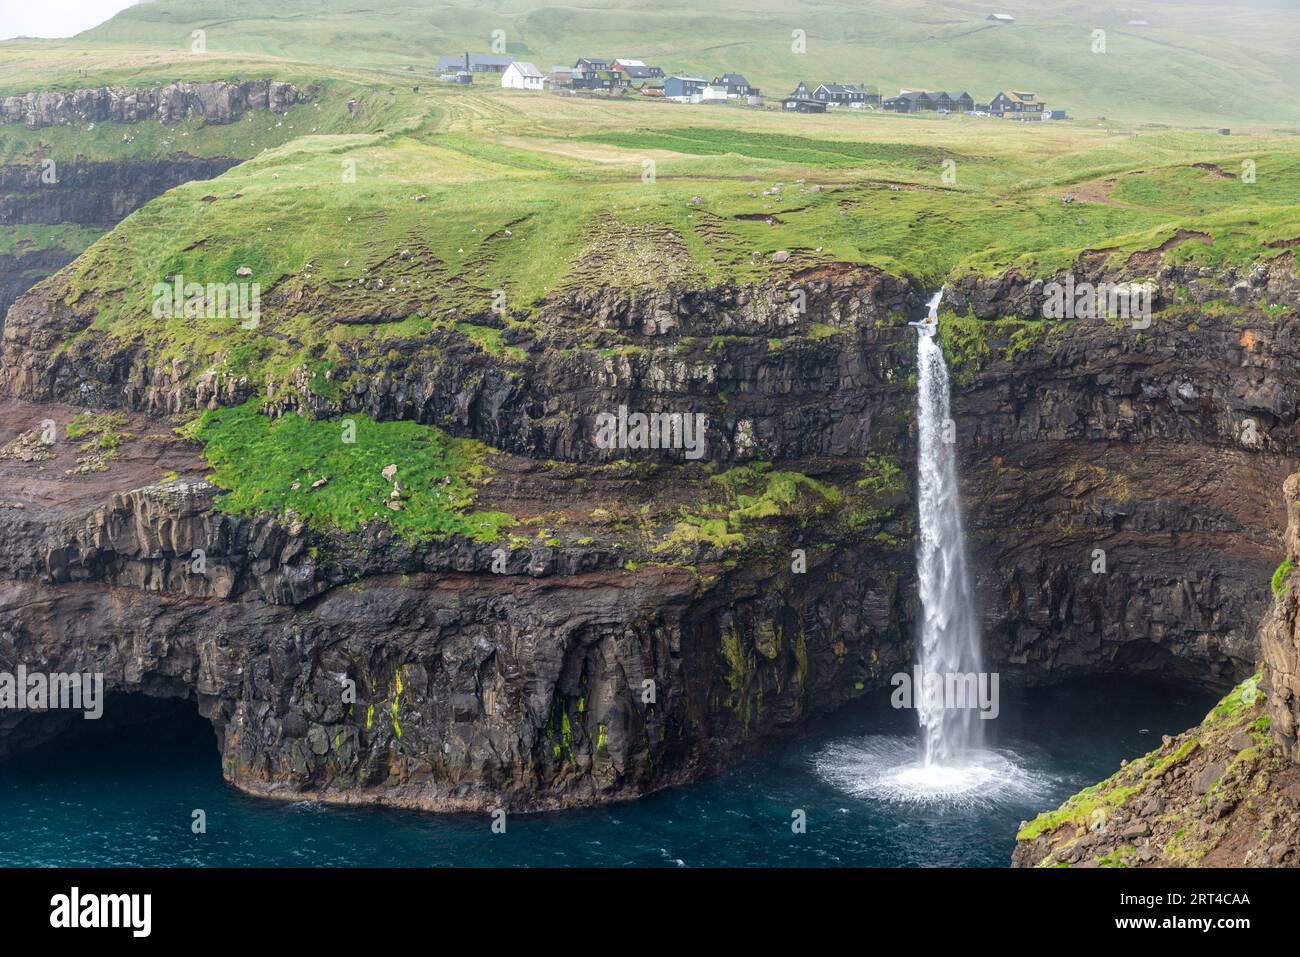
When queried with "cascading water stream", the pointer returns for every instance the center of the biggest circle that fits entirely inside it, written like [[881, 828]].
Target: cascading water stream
[[953, 769], [950, 634]]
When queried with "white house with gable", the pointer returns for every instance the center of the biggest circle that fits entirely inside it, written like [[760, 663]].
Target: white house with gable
[[522, 76]]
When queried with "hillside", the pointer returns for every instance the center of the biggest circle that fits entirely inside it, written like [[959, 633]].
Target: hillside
[[1188, 63], [392, 469]]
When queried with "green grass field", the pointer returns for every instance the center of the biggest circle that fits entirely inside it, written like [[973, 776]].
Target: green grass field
[[1199, 63]]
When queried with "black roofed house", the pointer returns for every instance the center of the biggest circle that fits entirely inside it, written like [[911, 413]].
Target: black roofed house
[[1017, 104], [640, 73], [910, 101], [590, 65], [606, 81], [841, 94], [961, 102], [800, 100], [802, 104], [735, 84], [474, 63], [636, 69]]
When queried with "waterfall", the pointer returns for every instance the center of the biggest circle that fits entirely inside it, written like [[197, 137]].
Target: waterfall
[[950, 634]]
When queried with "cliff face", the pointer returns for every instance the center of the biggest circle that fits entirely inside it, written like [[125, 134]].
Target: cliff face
[[1225, 793], [216, 102], [470, 687], [95, 194], [570, 677], [1279, 638]]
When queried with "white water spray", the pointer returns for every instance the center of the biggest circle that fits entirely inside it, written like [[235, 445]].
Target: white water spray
[[950, 634]]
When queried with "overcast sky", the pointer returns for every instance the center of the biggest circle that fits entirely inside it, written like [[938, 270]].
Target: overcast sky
[[54, 18]]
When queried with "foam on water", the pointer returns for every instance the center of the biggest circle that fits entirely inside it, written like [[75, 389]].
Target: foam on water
[[887, 768]]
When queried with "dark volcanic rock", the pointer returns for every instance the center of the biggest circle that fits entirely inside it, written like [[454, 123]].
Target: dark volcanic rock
[[218, 101], [438, 689], [95, 194], [527, 690]]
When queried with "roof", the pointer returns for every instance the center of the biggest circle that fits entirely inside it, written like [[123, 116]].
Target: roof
[[1001, 16], [842, 88], [622, 62], [637, 72], [527, 69], [475, 59], [732, 79], [689, 79]]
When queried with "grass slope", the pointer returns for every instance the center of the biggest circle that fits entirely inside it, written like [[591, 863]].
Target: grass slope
[[1192, 63]]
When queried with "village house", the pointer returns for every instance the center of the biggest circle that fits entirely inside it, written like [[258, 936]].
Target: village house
[[522, 76], [961, 102], [599, 81], [636, 69], [735, 85], [802, 104], [590, 65], [1004, 18], [1017, 104], [910, 101], [685, 89], [561, 77], [473, 63], [841, 94]]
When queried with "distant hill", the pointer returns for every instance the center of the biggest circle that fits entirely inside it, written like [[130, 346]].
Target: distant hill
[[1170, 61]]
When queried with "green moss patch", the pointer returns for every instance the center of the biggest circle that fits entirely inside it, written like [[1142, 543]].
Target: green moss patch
[[305, 466]]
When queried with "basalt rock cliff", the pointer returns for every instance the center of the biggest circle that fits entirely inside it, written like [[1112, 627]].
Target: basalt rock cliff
[[1121, 487], [218, 101]]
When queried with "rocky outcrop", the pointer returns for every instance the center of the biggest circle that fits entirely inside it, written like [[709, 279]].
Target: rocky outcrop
[[1280, 637], [218, 101], [1219, 795], [21, 271], [1225, 793]]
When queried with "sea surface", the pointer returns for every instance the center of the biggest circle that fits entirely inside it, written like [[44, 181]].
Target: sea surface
[[125, 796]]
